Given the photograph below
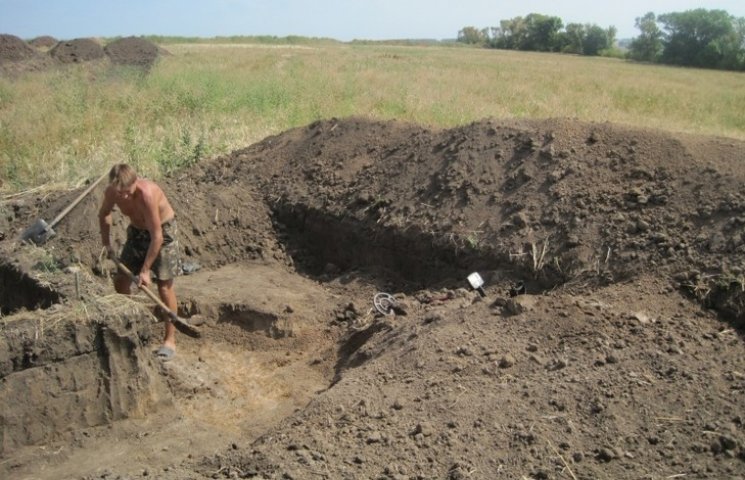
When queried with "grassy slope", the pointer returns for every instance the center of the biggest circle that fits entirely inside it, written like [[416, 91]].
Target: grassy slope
[[57, 127]]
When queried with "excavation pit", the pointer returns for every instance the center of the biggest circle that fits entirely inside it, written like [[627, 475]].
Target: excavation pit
[[262, 356], [296, 376], [21, 291]]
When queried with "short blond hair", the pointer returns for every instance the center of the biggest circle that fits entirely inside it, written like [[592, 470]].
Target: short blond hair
[[122, 175]]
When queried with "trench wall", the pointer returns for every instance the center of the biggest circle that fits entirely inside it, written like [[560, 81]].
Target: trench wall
[[78, 375]]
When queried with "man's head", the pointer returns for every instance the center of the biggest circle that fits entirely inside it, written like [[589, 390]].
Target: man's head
[[123, 177]]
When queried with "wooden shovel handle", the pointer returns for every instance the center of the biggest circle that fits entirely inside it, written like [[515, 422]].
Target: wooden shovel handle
[[178, 321], [75, 202]]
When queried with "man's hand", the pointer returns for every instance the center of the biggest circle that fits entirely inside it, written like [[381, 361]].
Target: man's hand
[[143, 279], [110, 253]]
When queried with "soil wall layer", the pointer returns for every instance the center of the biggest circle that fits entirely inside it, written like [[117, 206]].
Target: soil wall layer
[[77, 375]]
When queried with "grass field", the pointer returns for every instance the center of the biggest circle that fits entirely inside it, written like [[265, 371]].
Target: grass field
[[60, 127]]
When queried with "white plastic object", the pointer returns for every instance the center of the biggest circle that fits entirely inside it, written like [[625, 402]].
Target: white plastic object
[[476, 283], [475, 280]]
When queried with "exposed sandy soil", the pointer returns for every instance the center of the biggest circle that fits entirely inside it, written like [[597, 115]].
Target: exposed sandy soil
[[623, 358]]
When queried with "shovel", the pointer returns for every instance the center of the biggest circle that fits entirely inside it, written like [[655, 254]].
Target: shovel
[[183, 326], [41, 231]]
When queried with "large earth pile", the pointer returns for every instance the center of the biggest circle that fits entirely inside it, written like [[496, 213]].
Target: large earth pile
[[13, 49], [132, 51], [16, 57], [44, 42], [608, 342], [77, 50]]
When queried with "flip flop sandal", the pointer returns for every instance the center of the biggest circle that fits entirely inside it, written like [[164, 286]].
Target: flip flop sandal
[[165, 353]]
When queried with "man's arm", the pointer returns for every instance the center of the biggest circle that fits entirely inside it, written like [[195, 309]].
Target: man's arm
[[151, 213], [105, 218]]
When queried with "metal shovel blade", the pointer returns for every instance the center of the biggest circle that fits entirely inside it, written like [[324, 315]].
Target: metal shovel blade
[[38, 233]]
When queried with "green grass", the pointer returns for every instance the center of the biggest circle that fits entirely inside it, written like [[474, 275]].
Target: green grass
[[207, 99]]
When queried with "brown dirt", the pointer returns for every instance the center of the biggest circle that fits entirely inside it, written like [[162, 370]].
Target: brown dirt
[[77, 51], [17, 57], [44, 42], [133, 51], [13, 49], [624, 358]]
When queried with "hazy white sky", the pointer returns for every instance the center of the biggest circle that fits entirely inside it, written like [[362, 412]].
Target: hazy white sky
[[340, 19]]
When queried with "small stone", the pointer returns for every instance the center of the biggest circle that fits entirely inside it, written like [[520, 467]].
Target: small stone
[[728, 443], [606, 455], [558, 364], [423, 428], [537, 359]]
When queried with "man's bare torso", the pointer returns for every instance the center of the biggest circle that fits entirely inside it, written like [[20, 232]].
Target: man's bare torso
[[135, 208]]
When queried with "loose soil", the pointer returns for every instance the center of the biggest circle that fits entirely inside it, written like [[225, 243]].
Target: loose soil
[[133, 51], [77, 51], [18, 57], [608, 342], [14, 49], [44, 42]]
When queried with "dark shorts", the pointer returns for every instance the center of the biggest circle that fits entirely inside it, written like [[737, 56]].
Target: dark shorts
[[166, 266]]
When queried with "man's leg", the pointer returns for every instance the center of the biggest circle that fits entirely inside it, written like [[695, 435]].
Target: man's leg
[[168, 295]]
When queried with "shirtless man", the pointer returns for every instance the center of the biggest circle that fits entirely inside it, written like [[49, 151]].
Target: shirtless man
[[151, 239]]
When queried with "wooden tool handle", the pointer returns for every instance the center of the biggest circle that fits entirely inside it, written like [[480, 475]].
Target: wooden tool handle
[[188, 328], [75, 202]]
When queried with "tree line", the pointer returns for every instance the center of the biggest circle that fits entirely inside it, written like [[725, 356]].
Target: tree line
[[696, 38]]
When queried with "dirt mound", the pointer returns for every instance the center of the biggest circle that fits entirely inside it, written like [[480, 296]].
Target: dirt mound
[[13, 49], [17, 57], [133, 51], [77, 50], [43, 42], [609, 342], [558, 201]]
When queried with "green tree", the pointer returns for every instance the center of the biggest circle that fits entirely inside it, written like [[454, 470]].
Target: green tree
[[698, 38], [596, 39], [542, 33], [472, 36], [534, 32], [510, 34], [647, 47], [734, 52], [573, 36]]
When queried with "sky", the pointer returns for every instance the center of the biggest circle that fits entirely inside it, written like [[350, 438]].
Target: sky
[[343, 20]]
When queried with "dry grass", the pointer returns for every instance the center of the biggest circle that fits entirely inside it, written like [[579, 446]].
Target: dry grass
[[202, 101]]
